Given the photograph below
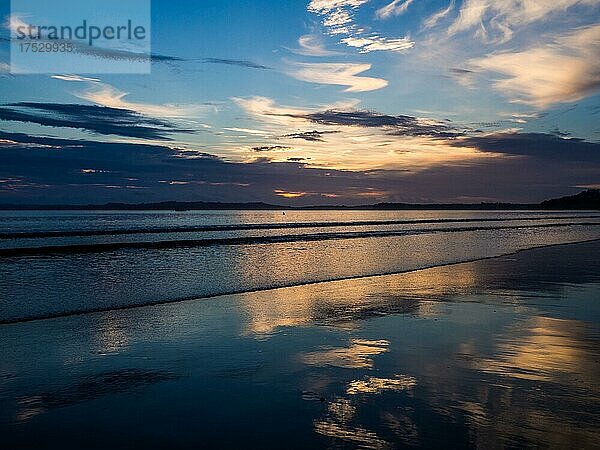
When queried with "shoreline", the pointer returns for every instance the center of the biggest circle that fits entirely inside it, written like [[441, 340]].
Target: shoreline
[[287, 286]]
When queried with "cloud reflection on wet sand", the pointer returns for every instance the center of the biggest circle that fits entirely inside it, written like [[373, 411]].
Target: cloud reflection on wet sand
[[534, 380], [357, 355], [548, 349], [90, 388], [359, 436], [343, 304], [373, 385]]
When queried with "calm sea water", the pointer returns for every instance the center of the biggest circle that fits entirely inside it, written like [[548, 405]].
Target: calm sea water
[[57, 263]]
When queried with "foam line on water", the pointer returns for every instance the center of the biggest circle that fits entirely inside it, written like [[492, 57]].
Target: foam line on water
[[253, 240], [268, 226]]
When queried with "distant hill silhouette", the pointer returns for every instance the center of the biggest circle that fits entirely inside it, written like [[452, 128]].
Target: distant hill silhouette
[[586, 200], [589, 199]]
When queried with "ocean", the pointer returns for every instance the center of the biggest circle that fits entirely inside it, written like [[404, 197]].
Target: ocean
[[61, 263]]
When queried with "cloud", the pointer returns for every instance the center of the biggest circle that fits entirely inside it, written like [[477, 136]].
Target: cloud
[[96, 119], [288, 194], [324, 6], [275, 118], [264, 106], [542, 146], [395, 8], [376, 43], [524, 117], [296, 159], [103, 94], [311, 45], [311, 136], [343, 74], [497, 20], [396, 125], [359, 139], [132, 172], [270, 148], [464, 77], [247, 131], [236, 62], [338, 19], [94, 172], [5, 70], [565, 70], [107, 95], [76, 78], [433, 20]]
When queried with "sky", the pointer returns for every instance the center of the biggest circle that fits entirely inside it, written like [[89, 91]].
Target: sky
[[302, 102]]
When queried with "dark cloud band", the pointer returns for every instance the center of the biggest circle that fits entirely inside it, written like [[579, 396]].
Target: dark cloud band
[[96, 119]]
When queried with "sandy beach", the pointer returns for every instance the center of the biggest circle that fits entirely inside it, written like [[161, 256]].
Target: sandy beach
[[501, 352]]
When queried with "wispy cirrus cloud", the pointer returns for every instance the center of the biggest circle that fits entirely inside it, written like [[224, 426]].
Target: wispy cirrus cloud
[[325, 6], [265, 109], [436, 17], [374, 43], [497, 20], [328, 5], [74, 78], [338, 19], [532, 76], [311, 45], [106, 95], [342, 74], [250, 131], [524, 117], [395, 8]]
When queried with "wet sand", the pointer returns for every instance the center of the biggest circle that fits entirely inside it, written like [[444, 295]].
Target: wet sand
[[496, 353]]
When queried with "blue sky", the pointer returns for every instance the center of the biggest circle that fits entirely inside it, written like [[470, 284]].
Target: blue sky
[[420, 100]]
